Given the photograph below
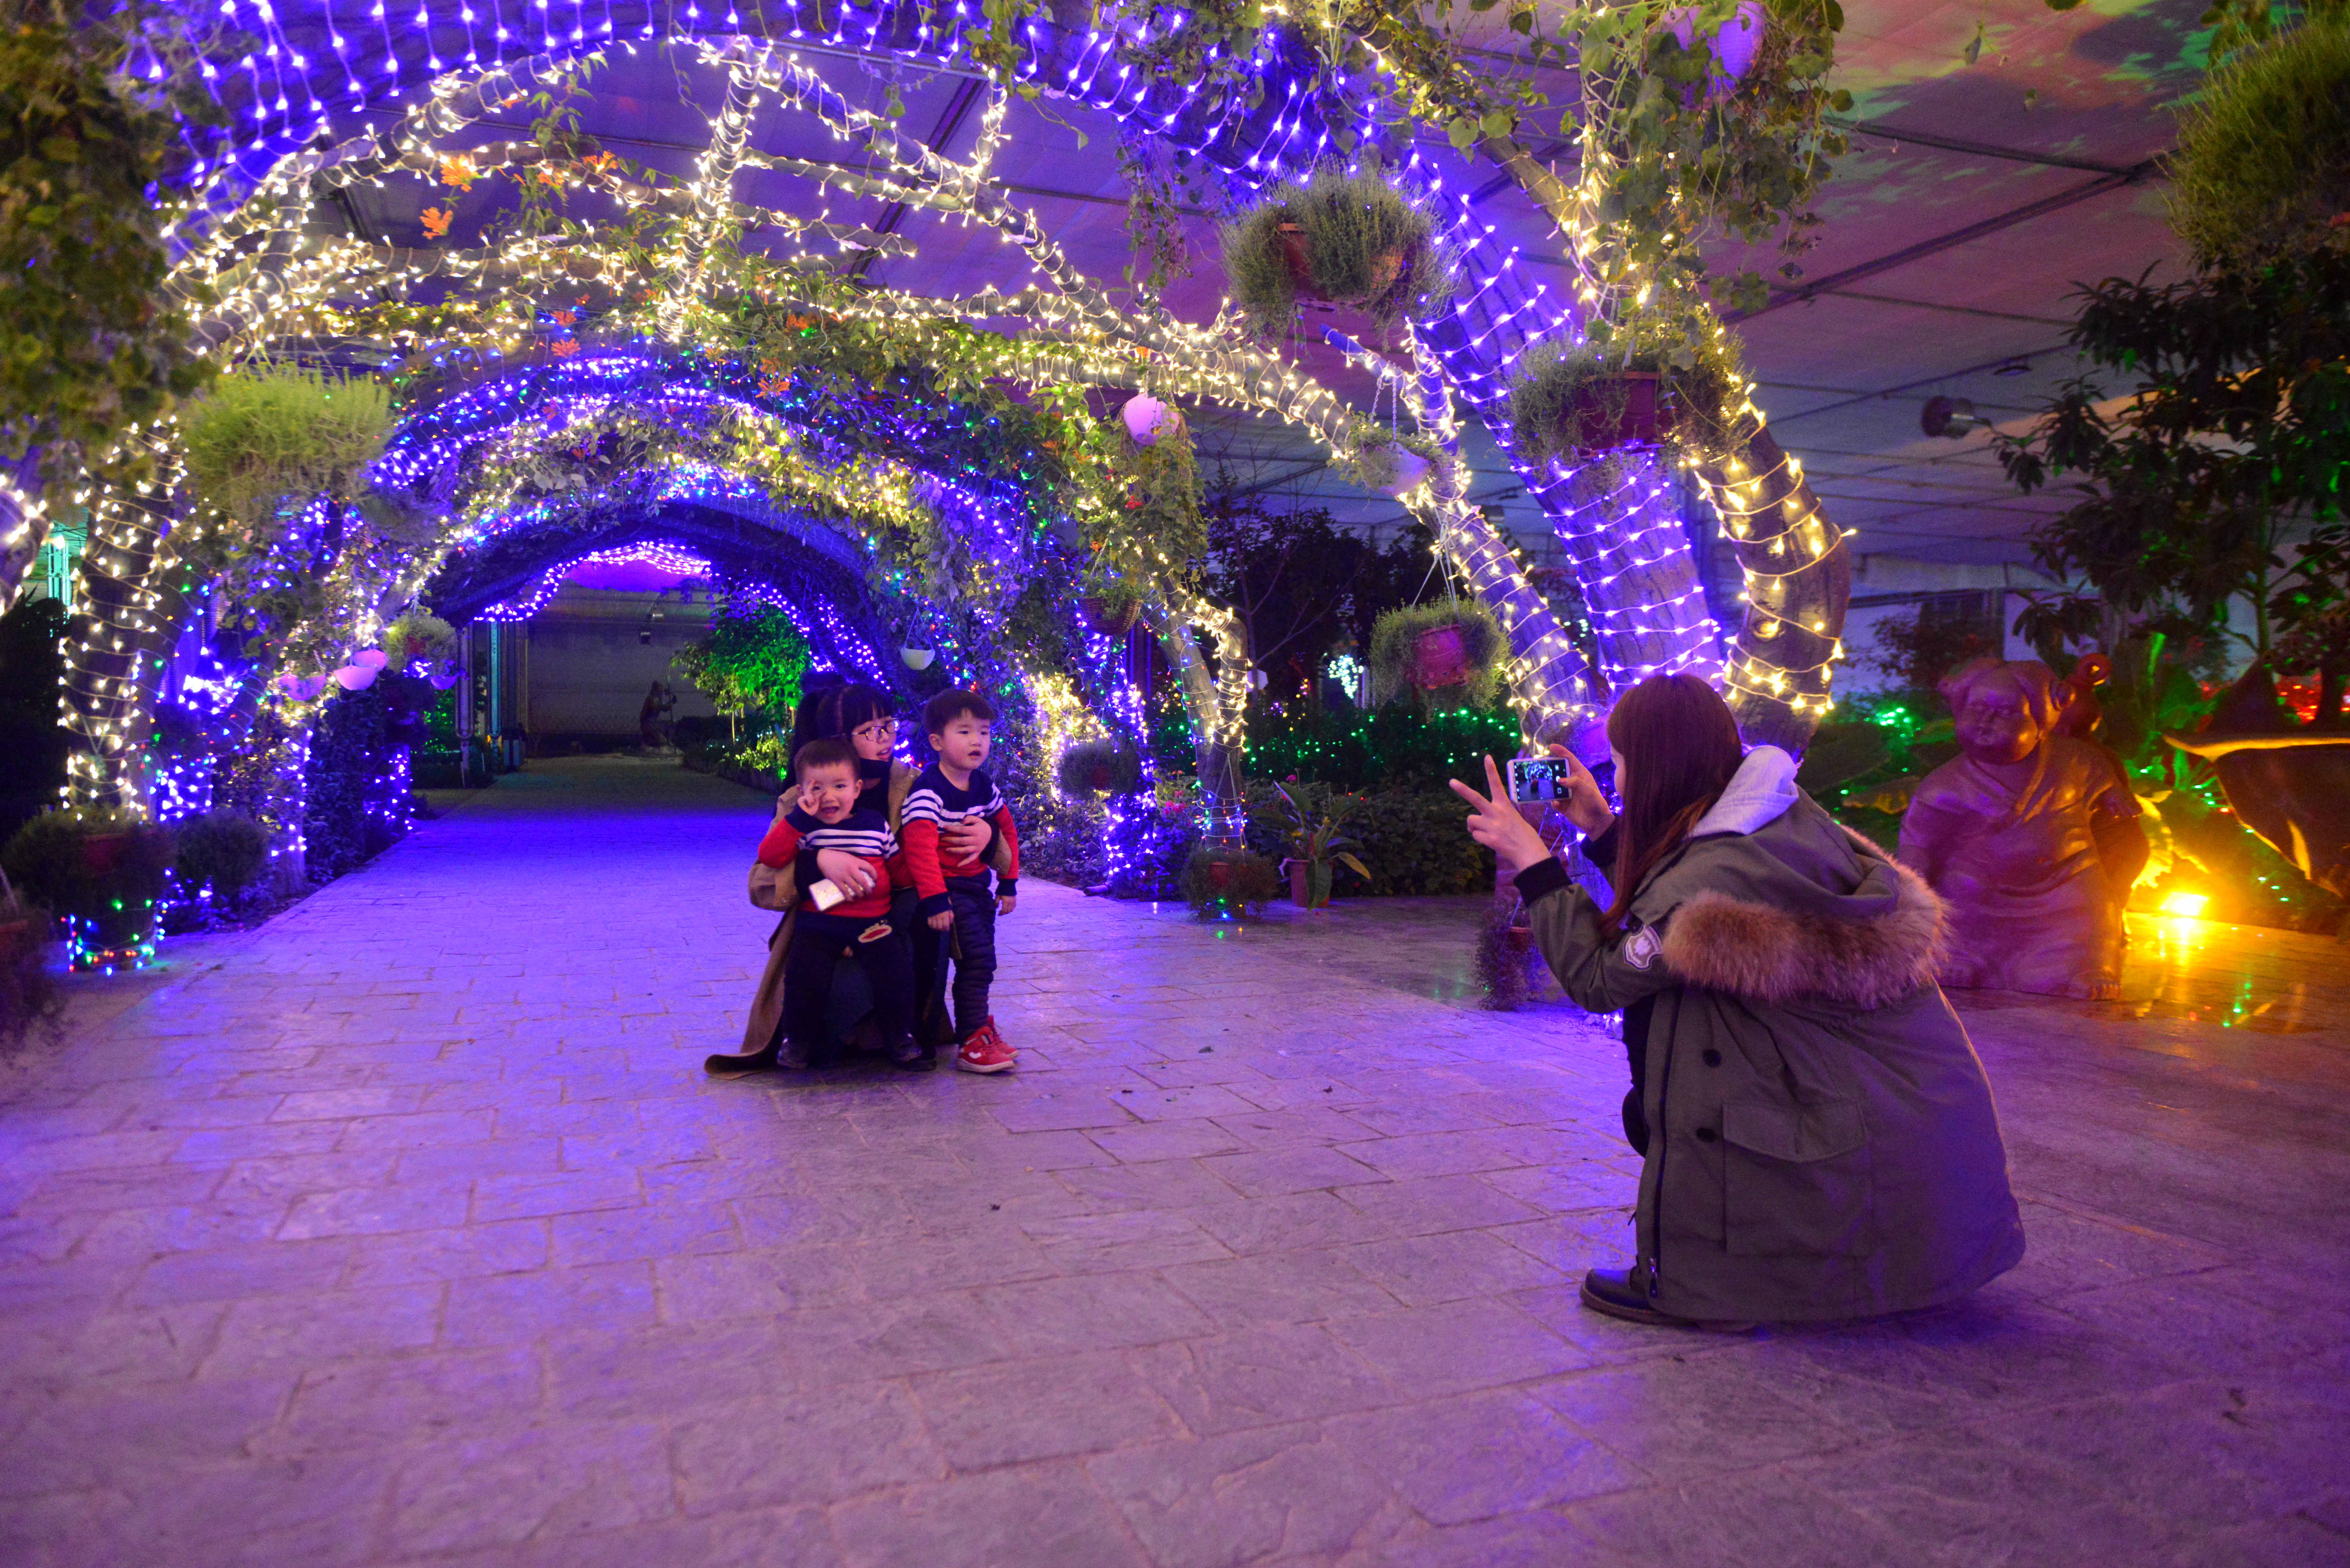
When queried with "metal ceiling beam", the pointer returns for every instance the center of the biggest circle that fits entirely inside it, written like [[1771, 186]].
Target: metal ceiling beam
[[1974, 148], [966, 93], [1913, 386], [2119, 181]]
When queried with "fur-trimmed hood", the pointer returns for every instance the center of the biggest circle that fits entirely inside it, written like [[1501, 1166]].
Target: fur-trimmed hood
[[1800, 908]]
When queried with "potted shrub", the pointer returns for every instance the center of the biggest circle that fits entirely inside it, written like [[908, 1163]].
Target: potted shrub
[[99, 870], [1636, 387], [1438, 646], [1099, 767], [417, 638], [1223, 882], [1314, 828], [1347, 239], [28, 991], [1111, 607]]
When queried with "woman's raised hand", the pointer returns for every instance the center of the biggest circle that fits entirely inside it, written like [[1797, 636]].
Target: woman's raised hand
[[844, 871], [1497, 825], [1583, 804], [965, 838]]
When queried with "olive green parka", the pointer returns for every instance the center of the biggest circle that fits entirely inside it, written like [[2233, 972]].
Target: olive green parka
[[1823, 1143]]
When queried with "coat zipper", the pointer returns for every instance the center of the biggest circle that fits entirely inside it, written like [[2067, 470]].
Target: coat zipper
[[1657, 1135]]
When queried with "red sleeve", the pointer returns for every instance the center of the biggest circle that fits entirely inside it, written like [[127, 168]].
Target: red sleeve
[[1001, 818], [781, 845], [919, 839]]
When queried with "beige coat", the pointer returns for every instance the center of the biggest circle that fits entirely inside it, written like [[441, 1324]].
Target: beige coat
[[773, 888], [1822, 1140]]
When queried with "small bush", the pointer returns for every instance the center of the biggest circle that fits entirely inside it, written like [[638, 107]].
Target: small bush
[[417, 636], [1568, 397], [226, 850], [29, 992], [1352, 225], [46, 863], [2263, 167], [1251, 880]]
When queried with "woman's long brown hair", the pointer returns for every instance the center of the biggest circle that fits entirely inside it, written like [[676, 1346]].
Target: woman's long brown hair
[[1680, 748]]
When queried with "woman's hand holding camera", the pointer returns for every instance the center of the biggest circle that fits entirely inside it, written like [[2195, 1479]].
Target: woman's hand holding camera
[[844, 871], [1500, 826]]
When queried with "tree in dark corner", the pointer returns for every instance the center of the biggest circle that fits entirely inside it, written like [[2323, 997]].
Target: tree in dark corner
[[34, 743]]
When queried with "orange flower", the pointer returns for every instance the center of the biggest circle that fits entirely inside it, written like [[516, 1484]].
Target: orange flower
[[565, 349], [437, 221], [551, 177], [563, 317], [601, 160], [802, 322], [458, 171]]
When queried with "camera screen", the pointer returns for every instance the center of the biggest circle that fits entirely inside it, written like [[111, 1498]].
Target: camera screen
[[1538, 778]]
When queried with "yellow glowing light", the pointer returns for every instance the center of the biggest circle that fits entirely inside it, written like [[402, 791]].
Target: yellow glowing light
[[2190, 905]]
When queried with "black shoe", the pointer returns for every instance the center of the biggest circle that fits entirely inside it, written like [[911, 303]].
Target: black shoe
[[909, 1058], [729, 1064], [1612, 1292]]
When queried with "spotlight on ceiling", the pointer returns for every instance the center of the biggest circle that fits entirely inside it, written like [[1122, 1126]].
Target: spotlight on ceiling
[[1950, 417], [2015, 367]]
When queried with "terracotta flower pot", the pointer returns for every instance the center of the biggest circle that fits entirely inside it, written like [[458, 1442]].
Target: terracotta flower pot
[[101, 854], [1622, 410], [1385, 268], [1309, 884], [1108, 619], [1219, 876], [1440, 657]]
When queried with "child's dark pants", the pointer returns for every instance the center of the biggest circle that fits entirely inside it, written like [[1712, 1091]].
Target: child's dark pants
[[816, 941], [972, 900]]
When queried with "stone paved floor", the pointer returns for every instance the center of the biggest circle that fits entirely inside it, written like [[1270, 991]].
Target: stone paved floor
[[408, 1229]]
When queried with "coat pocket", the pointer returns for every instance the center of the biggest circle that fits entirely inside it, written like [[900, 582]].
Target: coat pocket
[[1795, 1177]]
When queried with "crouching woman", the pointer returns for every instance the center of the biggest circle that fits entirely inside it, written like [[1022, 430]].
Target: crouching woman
[[1818, 1138]]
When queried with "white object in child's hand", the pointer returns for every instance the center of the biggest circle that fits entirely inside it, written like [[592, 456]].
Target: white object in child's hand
[[825, 894]]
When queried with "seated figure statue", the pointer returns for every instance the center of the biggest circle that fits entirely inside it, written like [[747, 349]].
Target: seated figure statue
[[2030, 837]]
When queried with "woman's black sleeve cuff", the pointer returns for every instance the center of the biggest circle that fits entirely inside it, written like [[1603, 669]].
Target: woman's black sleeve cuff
[[1540, 879], [1601, 851]]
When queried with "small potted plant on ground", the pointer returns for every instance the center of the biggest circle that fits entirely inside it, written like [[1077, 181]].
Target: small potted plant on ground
[[1315, 826], [1220, 883], [1639, 386], [100, 871], [1437, 646], [1348, 239]]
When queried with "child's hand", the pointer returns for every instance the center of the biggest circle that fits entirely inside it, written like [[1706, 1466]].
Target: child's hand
[[943, 920], [1006, 902], [807, 802]]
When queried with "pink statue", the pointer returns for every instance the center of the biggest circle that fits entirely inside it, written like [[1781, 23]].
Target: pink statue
[[2030, 837]]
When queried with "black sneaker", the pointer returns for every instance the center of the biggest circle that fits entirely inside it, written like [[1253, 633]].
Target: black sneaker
[[909, 1058], [1612, 1292]]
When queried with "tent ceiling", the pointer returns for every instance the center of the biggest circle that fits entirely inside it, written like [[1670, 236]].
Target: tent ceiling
[[1973, 201]]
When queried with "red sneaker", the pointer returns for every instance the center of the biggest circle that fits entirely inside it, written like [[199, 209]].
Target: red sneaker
[[984, 1051]]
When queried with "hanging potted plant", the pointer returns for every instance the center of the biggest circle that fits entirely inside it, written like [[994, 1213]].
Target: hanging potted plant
[[1111, 607], [1317, 842], [1395, 462], [416, 637], [1636, 386], [1147, 419], [1105, 766], [1346, 239], [1453, 645]]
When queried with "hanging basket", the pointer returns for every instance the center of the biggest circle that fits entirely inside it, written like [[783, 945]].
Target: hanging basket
[[1626, 409], [1110, 618], [1386, 268], [1147, 419], [1440, 657], [916, 658]]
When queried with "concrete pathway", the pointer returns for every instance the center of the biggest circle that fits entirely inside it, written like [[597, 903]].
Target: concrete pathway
[[410, 1229]]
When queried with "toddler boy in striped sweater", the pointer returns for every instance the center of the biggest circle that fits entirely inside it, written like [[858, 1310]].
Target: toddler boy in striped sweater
[[844, 904], [957, 904]]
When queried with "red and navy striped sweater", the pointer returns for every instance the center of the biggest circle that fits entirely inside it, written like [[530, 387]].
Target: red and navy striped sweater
[[930, 805], [864, 833]]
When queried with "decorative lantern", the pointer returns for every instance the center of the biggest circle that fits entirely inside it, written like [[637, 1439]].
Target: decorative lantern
[[1145, 418], [916, 658]]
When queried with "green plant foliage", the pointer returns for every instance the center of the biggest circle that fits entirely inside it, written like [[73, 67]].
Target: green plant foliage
[[279, 436], [1397, 746], [46, 863], [349, 751], [226, 850], [1243, 887], [1839, 753], [1091, 769], [91, 165], [1313, 824], [34, 743], [1365, 243], [750, 666], [1569, 398], [2262, 166], [418, 635], [1398, 632]]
